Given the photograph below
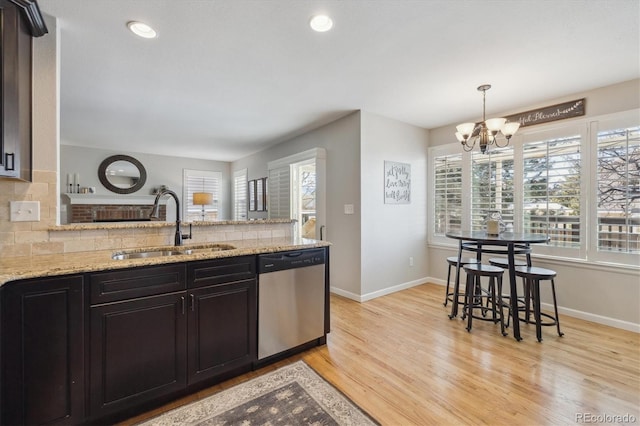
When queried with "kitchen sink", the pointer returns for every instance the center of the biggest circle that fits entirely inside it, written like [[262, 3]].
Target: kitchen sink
[[204, 248], [145, 254], [211, 247]]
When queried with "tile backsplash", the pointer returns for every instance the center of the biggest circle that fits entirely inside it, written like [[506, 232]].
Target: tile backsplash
[[44, 237]]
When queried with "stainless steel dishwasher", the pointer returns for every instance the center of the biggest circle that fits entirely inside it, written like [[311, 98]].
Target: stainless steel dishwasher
[[291, 300]]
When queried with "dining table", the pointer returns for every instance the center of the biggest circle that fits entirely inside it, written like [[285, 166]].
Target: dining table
[[509, 243]]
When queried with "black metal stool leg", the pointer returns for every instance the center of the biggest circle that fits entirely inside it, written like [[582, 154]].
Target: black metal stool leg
[[555, 307], [501, 306], [536, 308], [446, 293], [470, 296]]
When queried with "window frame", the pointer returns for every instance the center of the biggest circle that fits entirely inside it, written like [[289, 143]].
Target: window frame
[[188, 207], [545, 134], [609, 122]]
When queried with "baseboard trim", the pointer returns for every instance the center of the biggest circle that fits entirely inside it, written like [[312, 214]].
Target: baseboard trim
[[379, 293], [599, 319], [587, 316]]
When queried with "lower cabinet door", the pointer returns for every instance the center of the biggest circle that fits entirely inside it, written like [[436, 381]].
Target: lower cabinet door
[[222, 329], [42, 356], [137, 352]]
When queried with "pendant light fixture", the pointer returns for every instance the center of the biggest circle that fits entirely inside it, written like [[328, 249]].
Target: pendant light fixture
[[484, 133]]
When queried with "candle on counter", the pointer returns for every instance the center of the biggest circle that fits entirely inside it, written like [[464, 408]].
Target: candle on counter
[[493, 227], [77, 179]]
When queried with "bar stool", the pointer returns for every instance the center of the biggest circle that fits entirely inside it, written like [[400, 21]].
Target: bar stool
[[503, 262], [453, 263], [474, 296], [533, 275]]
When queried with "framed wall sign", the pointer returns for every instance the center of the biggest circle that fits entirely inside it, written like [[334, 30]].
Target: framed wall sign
[[397, 183]]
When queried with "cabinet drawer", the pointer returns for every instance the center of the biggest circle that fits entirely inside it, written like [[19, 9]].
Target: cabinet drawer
[[221, 271], [124, 284]]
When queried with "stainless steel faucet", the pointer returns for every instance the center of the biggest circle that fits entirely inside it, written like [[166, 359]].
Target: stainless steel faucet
[[155, 214]]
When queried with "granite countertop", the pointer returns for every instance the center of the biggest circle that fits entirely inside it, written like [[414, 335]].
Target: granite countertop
[[72, 263], [160, 224]]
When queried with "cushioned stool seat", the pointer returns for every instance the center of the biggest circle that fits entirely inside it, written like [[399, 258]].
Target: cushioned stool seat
[[533, 275], [453, 263], [474, 294]]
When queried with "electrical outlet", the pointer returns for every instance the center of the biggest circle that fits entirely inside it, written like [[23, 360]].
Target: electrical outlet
[[24, 211], [410, 261], [348, 209]]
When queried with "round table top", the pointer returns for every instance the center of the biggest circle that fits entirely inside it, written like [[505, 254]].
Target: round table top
[[502, 238]]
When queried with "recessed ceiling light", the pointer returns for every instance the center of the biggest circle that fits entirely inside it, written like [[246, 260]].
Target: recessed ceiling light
[[141, 29], [321, 23]]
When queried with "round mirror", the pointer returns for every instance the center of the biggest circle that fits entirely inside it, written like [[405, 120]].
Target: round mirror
[[122, 174]]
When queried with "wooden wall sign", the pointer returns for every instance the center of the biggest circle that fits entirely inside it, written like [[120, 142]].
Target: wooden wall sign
[[551, 113]]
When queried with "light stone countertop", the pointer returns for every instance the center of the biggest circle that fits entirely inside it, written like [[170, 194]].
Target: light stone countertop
[[17, 268], [160, 224]]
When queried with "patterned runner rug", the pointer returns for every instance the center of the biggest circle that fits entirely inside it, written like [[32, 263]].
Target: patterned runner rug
[[292, 395]]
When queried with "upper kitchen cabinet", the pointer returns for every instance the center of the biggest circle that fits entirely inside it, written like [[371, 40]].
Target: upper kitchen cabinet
[[20, 21]]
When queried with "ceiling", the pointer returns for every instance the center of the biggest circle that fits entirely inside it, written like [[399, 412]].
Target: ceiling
[[227, 78]]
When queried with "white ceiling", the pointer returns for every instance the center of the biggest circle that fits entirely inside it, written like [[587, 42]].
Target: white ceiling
[[227, 78]]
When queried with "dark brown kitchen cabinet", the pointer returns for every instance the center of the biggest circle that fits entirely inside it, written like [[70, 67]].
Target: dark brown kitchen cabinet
[[222, 329], [223, 316], [138, 352], [159, 331], [42, 360], [137, 346], [19, 22]]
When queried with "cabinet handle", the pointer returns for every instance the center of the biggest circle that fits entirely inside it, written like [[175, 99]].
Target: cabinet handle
[[8, 156], [182, 299], [193, 303]]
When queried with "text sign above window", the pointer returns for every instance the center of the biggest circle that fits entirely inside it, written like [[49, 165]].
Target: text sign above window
[[551, 113]]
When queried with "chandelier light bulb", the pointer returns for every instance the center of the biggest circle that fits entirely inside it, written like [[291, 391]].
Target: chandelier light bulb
[[495, 124], [466, 129], [510, 128]]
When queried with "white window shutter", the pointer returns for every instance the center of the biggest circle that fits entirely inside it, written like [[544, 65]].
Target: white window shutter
[[240, 195], [278, 193]]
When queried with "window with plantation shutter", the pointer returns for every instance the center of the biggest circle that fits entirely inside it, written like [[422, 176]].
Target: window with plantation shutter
[[576, 182], [492, 185], [447, 193], [552, 190], [240, 194], [200, 181], [618, 191], [279, 193]]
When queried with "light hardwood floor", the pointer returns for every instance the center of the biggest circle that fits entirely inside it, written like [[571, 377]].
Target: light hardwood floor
[[401, 359]]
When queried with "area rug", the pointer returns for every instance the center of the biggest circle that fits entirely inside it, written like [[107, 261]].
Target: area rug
[[292, 395]]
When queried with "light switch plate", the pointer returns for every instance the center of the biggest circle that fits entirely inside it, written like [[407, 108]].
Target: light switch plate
[[348, 209], [24, 211]]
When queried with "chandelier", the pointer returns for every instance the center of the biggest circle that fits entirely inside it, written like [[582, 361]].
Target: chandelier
[[484, 133]]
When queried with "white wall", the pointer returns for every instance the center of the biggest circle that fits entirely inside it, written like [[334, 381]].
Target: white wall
[[600, 293], [161, 170], [370, 249], [392, 233], [341, 140]]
